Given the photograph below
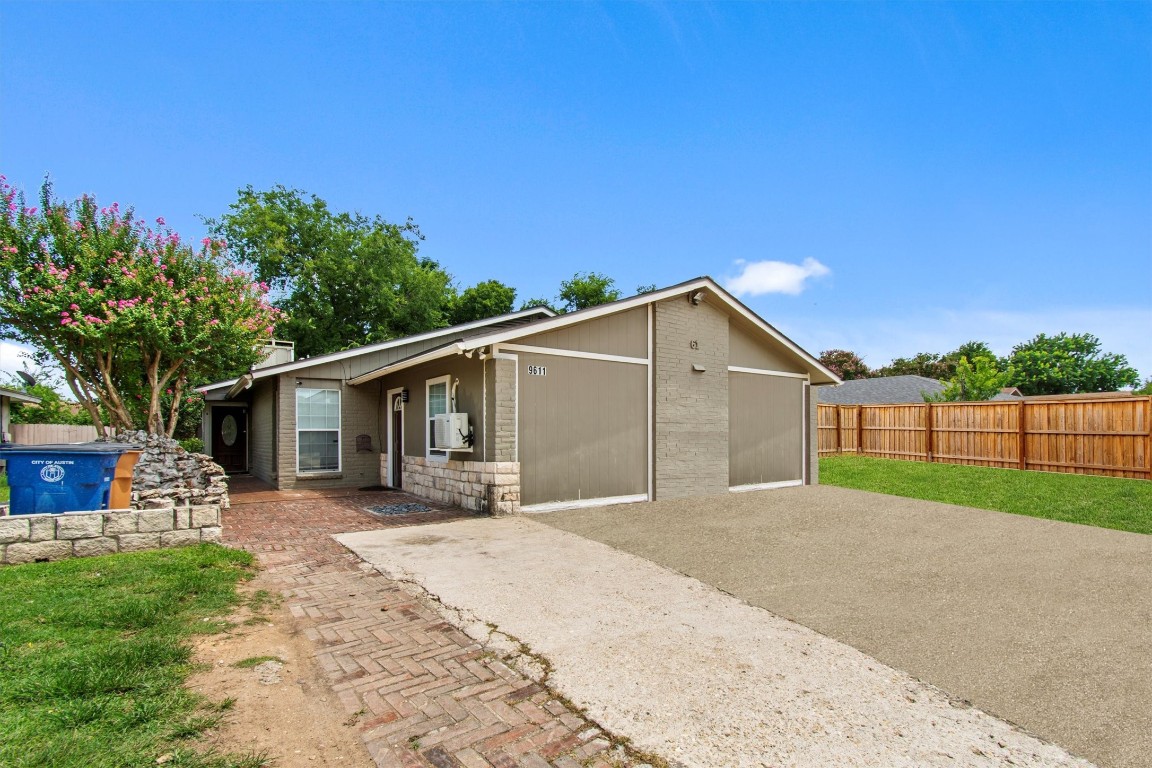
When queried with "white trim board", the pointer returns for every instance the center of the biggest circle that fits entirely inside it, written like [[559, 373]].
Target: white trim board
[[764, 486], [766, 372], [556, 506], [570, 353]]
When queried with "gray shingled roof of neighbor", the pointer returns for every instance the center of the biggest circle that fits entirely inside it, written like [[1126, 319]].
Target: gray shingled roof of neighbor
[[885, 389]]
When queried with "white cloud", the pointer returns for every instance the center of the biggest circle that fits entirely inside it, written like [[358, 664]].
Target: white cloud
[[760, 277]]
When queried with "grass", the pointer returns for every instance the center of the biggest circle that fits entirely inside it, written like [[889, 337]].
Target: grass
[[4, 488], [1106, 502], [255, 661], [94, 653]]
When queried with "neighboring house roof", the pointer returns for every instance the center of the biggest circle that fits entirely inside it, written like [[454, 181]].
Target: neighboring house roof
[[819, 373], [455, 331], [18, 396], [884, 389]]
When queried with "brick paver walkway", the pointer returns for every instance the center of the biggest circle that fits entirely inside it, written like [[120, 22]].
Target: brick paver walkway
[[424, 693]]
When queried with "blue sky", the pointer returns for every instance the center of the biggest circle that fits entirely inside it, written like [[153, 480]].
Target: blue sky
[[888, 178]]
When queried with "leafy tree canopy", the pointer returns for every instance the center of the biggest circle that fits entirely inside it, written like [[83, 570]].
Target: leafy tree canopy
[[1068, 364], [483, 300], [52, 409], [845, 364], [133, 316], [344, 279], [587, 289], [979, 380]]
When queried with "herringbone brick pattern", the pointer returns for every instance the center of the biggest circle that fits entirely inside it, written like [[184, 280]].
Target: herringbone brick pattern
[[423, 693]]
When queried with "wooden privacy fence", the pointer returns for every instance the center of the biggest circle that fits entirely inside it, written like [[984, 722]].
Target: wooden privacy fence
[[1088, 437], [47, 434]]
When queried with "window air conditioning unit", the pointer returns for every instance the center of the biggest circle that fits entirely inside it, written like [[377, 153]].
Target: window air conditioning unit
[[451, 432]]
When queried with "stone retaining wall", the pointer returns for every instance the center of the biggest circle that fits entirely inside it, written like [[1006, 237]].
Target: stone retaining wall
[[481, 486], [37, 538], [169, 476]]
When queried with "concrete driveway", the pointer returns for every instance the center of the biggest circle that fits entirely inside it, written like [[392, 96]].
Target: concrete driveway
[[1045, 624]]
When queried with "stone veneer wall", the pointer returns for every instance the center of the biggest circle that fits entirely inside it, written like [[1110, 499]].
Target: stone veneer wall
[[481, 486], [37, 538]]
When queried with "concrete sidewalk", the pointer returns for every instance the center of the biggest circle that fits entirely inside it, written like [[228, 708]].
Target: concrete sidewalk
[[687, 672]]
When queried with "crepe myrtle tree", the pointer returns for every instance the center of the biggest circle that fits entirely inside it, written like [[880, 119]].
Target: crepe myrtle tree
[[131, 314]]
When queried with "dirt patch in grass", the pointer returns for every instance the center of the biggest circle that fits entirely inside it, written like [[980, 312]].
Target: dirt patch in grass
[[275, 700]]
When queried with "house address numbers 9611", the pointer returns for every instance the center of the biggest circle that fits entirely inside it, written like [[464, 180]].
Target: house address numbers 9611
[[537, 370]]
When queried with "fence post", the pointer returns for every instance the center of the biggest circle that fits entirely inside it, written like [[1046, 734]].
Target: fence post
[[1148, 442], [928, 432], [1023, 438], [839, 429], [859, 430]]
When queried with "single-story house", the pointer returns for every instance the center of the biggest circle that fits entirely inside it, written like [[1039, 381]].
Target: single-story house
[[6, 398], [677, 392], [881, 390]]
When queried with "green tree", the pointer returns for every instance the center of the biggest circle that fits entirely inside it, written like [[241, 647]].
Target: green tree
[[922, 364], [1146, 388], [343, 279], [131, 315], [979, 380], [1068, 364], [483, 300], [587, 289], [52, 409], [845, 364], [530, 303]]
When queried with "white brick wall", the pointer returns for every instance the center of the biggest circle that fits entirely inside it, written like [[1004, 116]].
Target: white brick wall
[[691, 407]]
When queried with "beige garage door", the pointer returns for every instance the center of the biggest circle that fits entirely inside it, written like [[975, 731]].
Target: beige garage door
[[582, 427], [765, 429]]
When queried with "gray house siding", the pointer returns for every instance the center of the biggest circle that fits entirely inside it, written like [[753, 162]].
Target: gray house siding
[[262, 442], [582, 429], [766, 429]]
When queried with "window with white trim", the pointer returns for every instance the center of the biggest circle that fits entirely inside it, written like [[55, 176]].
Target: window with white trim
[[317, 430], [437, 400]]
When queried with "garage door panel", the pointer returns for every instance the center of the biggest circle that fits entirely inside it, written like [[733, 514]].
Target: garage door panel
[[766, 429], [582, 428]]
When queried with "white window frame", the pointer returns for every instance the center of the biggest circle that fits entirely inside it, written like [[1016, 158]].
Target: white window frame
[[430, 453], [339, 432]]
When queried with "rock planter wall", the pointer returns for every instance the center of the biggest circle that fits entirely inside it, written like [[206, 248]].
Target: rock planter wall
[[39, 538], [167, 476]]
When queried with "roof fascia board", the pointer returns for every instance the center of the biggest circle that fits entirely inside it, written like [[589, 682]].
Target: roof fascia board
[[561, 321], [411, 362], [20, 397], [333, 357]]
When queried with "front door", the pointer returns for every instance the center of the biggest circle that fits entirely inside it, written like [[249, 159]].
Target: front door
[[396, 446], [230, 438]]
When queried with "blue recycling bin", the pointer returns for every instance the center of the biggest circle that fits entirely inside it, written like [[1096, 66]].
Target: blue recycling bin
[[46, 479]]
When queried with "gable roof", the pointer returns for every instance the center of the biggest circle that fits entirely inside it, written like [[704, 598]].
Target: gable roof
[[818, 373], [524, 316], [883, 389]]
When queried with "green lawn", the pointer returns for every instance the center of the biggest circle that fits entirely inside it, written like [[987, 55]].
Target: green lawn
[[94, 655], [3, 487], [1107, 502]]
